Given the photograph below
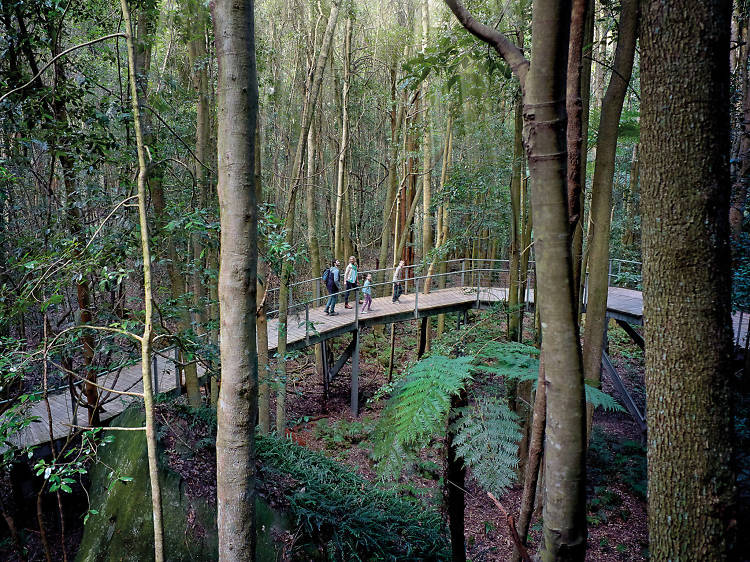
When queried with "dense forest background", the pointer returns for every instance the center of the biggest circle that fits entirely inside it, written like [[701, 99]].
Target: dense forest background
[[386, 130]]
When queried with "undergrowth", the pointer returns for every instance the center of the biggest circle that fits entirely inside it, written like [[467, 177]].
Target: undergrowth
[[354, 519]]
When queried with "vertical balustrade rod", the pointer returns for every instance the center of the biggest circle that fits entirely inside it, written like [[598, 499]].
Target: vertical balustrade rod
[[416, 298], [356, 308], [479, 286], [177, 373], [307, 323]]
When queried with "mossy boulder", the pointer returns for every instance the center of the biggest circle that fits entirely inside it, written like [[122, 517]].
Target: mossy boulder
[[122, 530]]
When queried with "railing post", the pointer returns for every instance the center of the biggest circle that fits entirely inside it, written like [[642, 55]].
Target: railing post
[[479, 286], [307, 323], [317, 284], [416, 298], [356, 308], [289, 295], [609, 274], [463, 272], [155, 373]]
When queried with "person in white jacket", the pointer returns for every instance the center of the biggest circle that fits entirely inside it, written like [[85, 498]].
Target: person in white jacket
[[398, 288], [350, 279]]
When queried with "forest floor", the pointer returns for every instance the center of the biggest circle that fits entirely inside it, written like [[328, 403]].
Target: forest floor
[[617, 516], [616, 495]]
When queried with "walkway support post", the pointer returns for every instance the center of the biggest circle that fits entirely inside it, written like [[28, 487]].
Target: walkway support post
[[355, 376]]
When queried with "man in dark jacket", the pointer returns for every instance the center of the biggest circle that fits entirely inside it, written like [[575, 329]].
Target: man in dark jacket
[[332, 284]]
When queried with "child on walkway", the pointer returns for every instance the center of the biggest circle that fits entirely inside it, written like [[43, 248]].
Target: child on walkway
[[367, 291]]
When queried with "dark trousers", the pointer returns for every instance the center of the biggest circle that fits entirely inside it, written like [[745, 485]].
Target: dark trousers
[[349, 287], [398, 290]]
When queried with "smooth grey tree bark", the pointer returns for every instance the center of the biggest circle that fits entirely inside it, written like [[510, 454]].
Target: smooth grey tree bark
[[237, 97]]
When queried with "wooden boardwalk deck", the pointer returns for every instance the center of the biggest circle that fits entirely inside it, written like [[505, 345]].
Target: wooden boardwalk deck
[[64, 414], [623, 303]]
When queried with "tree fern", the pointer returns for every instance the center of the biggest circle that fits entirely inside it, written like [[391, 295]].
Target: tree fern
[[510, 360], [486, 437], [600, 399], [517, 361], [419, 407]]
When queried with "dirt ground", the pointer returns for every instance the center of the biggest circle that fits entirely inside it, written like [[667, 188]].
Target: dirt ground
[[617, 516]]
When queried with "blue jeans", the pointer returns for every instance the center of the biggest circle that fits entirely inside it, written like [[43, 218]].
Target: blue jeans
[[331, 302]]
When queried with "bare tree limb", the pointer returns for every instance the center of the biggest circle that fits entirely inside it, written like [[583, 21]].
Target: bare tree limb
[[504, 46], [51, 62]]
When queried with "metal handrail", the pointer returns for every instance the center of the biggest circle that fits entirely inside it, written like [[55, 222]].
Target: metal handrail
[[294, 306]]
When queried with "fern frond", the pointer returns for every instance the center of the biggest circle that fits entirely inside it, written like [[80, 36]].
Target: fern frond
[[600, 399], [507, 359], [486, 437], [418, 408]]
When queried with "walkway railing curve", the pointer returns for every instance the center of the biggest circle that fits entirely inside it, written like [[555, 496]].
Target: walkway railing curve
[[462, 272]]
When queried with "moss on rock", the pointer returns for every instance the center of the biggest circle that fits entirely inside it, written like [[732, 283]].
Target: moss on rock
[[122, 530]]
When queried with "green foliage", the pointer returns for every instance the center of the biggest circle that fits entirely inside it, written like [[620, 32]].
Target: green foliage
[[353, 518], [343, 434], [486, 437], [613, 459], [511, 360], [61, 474], [600, 399], [419, 407], [741, 272]]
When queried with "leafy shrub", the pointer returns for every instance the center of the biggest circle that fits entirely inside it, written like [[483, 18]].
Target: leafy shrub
[[353, 518]]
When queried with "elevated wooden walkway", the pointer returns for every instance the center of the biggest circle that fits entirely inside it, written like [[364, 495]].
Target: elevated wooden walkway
[[308, 325]]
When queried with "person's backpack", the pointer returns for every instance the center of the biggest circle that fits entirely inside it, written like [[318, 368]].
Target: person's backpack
[[326, 275]]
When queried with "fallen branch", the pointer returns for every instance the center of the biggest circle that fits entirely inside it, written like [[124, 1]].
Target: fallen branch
[[512, 526]]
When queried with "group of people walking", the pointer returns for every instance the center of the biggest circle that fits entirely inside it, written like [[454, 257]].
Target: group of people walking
[[332, 280]]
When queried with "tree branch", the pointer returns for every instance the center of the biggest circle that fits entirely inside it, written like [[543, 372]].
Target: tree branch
[[51, 62], [510, 52]]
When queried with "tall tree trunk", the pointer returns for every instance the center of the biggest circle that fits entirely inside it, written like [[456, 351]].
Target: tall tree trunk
[[628, 231], [742, 179], [297, 180], [389, 210], [145, 339], [565, 466], [533, 462], [514, 297], [261, 322], [312, 232], [577, 242], [236, 414], [341, 233], [526, 224], [143, 48], [444, 214], [686, 278], [455, 486], [543, 84], [601, 196], [427, 238], [197, 55]]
